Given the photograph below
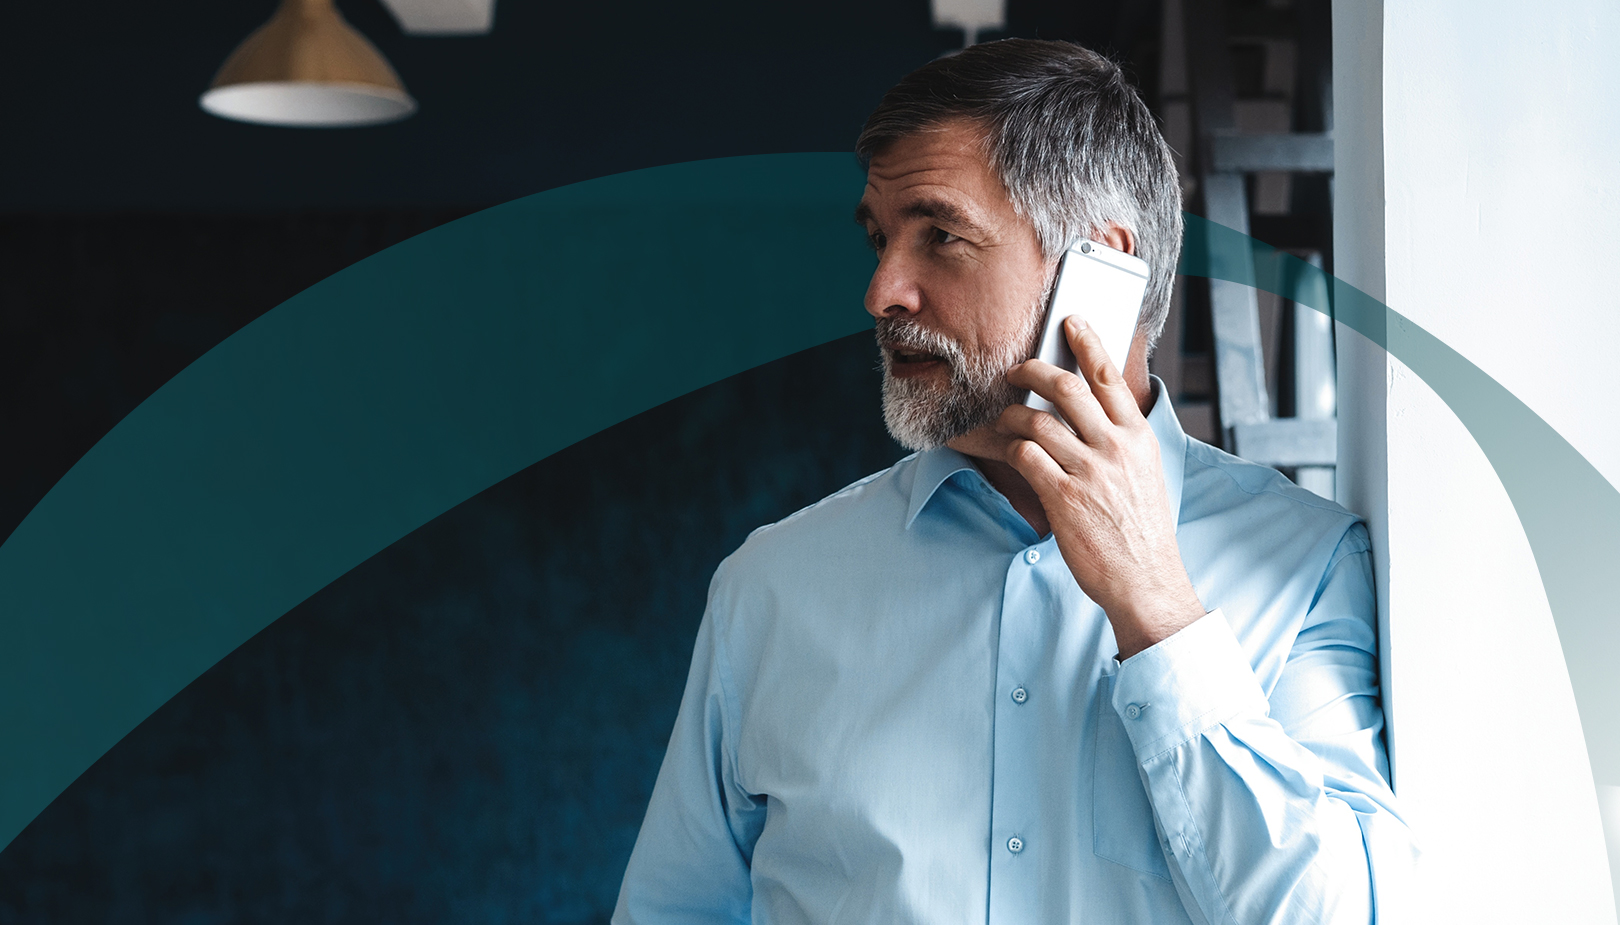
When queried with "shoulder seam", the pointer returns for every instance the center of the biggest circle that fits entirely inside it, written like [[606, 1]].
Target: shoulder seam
[[852, 486], [1312, 501]]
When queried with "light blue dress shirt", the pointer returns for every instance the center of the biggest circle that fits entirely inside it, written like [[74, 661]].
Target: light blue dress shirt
[[902, 709]]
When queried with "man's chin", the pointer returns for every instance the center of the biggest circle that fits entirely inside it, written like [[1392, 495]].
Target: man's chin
[[918, 420]]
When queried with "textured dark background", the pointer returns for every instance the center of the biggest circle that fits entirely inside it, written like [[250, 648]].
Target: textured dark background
[[467, 726], [101, 98]]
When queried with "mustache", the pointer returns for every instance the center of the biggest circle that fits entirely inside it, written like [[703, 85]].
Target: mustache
[[905, 334]]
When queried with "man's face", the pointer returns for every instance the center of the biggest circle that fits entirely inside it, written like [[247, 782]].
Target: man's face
[[959, 288]]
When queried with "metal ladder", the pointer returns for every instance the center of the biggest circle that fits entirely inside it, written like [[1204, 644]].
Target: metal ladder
[[1293, 429]]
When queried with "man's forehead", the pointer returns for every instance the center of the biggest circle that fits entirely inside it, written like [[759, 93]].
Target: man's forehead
[[945, 149], [935, 166]]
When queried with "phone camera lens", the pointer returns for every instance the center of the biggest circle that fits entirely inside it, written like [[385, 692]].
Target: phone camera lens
[[1085, 248]]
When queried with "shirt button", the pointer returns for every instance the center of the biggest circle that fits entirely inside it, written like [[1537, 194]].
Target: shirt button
[[1015, 844], [1132, 711], [1032, 556], [1019, 695]]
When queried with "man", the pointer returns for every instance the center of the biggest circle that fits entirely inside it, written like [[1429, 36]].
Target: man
[[1027, 674]]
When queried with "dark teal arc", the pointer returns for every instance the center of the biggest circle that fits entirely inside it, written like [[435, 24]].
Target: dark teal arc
[[383, 396]]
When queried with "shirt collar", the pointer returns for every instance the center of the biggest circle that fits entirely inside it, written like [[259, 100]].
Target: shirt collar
[[936, 465], [933, 468], [1172, 446]]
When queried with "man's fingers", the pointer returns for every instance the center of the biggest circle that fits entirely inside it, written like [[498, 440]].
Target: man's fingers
[[1060, 443], [1036, 465], [1107, 382], [1069, 393]]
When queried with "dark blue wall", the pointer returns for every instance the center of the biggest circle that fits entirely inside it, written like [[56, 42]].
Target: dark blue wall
[[467, 726], [100, 98]]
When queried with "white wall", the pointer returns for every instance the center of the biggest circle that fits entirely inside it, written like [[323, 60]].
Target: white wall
[[1465, 128]]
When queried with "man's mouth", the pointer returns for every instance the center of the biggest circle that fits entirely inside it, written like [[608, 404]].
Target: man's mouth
[[912, 356], [904, 362]]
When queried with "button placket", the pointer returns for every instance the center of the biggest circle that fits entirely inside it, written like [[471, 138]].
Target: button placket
[[1015, 817]]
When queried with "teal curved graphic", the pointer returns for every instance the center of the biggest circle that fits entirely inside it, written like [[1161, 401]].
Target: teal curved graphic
[[381, 397], [385, 395]]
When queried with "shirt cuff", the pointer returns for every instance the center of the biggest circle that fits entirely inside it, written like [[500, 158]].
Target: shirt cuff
[[1171, 692]]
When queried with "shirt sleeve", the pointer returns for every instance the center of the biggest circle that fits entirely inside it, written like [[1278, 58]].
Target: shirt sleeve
[[691, 859], [1273, 809]]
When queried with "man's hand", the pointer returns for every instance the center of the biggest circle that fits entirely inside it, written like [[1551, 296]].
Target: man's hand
[[1103, 490]]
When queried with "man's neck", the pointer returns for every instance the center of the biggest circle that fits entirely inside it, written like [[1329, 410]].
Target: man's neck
[[987, 449], [1016, 490]]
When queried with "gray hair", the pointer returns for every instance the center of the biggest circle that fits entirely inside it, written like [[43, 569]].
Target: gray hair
[[1072, 141]]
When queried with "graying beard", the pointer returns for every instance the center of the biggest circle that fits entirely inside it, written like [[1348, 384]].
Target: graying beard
[[919, 417]]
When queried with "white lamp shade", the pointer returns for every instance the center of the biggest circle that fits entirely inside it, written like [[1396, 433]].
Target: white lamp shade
[[308, 104], [307, 67]]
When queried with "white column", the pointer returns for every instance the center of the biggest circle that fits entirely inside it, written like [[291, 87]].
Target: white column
[[1478, 147]]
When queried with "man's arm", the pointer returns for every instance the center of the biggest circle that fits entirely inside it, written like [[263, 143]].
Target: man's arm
[[1279, 810], [1268, 811], [691, 860]]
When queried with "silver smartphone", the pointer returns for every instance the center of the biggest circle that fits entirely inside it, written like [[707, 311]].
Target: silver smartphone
[[1104, 287]]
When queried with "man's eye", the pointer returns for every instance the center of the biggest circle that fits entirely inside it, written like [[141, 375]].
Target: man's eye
[[876, 240], [941, 236]]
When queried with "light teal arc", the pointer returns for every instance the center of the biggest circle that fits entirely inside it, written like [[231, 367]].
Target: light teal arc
[[385, 395], [1570, 512]]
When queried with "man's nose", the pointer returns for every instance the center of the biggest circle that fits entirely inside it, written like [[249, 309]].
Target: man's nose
[[894, 289]]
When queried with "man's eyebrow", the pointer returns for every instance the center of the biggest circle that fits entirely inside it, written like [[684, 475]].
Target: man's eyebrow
[[937, 209], [941, 211]]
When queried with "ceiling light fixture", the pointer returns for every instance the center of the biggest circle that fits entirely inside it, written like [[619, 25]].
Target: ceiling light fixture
[[971, 16], [307, 67]]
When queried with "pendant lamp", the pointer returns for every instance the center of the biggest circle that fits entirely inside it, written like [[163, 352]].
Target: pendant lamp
[[307, 67]]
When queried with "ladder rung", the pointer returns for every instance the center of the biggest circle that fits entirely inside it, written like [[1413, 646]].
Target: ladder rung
[[1288, 442], [1296, 152]]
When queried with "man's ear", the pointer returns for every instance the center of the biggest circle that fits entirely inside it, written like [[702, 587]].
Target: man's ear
[[1119, 238]]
